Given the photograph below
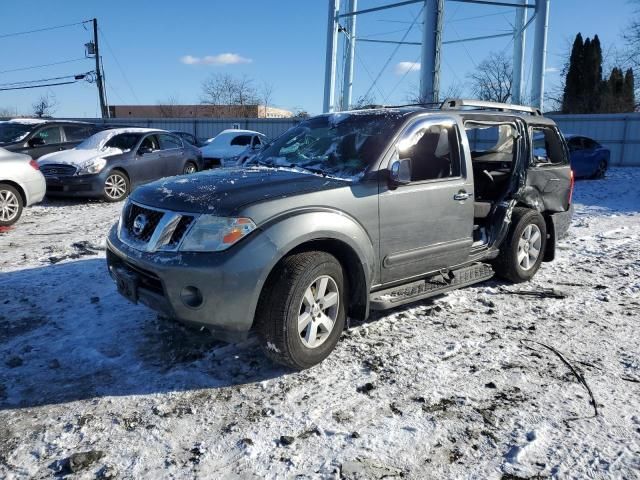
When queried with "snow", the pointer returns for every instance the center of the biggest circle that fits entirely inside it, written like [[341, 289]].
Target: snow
[[440, 389]]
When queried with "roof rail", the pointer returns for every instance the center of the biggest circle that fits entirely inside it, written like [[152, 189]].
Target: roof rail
[[460, 104]]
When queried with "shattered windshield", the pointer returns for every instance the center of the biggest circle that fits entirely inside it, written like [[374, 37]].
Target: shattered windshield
[[14, 132], [341, 145]]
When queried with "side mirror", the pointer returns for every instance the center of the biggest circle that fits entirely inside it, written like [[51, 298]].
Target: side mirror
[[36, 142], [400, 172], [143, 150]]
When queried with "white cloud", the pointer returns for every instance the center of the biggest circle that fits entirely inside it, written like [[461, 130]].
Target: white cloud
[[552, 70], [404, 67], [220, 59]]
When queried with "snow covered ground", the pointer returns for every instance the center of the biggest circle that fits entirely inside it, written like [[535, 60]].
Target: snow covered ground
[[92, 385]]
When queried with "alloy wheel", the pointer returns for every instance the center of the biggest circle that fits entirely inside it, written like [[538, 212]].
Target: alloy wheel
[[9, 206], [529, 246], [115, 186], [318, 311], [189, 169]]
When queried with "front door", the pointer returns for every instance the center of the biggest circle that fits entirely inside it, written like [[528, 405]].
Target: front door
[[44, 140], [149, 164], [172, 153], [427, 224]]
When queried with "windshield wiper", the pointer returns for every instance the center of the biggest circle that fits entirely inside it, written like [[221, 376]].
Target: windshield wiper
[[308, 169]]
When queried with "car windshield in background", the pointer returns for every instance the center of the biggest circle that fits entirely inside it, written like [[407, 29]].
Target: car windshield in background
[[13, 132], [341, 145], [124, 141]]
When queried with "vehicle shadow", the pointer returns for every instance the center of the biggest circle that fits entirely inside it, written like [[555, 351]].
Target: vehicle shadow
[[59, 201], [67, 335]]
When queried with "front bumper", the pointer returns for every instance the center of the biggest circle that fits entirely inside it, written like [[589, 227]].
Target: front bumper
[[230, 282], [76, 186]]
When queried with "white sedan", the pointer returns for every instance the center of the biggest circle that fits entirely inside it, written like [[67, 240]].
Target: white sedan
[[230, 146], [21, 185]]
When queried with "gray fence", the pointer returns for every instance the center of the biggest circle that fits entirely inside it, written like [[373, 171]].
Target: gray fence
[[205, 127], [618, 132]]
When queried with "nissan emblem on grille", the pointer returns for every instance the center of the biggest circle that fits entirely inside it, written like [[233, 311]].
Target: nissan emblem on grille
[[139, 224]]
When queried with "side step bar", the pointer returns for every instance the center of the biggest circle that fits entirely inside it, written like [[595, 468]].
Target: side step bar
[[430, 287]]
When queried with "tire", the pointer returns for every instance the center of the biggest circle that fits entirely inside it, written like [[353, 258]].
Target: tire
[[601, 171], [290, 299], [116, 186], [11, 205], [189, 168], [517, 261]]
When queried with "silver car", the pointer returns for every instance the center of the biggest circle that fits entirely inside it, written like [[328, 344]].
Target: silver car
[[21, 185]]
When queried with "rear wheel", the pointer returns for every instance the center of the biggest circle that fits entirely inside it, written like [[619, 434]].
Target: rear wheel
[[10, 205], [301, 313], [116, 186], [189, 168], [601, 170], [523, 250]]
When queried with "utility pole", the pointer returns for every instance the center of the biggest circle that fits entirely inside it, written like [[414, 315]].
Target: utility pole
[[103, 106], [347, 87], [519, 39], [332, 51], [433, 14], [540, 53]]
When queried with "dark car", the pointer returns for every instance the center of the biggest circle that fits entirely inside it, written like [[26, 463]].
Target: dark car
[[36, 137], [112, 162], [188, 137], [589, 159], [347, 213]]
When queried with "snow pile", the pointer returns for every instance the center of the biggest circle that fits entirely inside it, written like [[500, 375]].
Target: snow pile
[[92, 385]]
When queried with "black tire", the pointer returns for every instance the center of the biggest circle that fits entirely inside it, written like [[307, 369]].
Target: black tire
[[281, 303], [120, 178], [601, 171], [507, 265], [189, 167], [11, 205]]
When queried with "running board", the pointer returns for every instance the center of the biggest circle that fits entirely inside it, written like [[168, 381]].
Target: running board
[[430, 287]]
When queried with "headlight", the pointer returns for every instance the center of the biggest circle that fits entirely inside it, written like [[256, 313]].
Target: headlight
[[214, 234], [92, 166]]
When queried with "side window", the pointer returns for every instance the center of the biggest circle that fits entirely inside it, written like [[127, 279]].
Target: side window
[[433, 151], [76, 133], [50, 135], [590, 144], [575, 144], [492, 142], [256, 141], [168, 142], [547, 147], [150, 142], [241, 140]]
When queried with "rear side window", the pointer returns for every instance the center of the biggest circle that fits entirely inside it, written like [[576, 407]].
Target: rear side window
[[590, 144], [50, 135], [168, 142], [433, 151], [77, 133], [241, 140], [575, 143], [547, 147]]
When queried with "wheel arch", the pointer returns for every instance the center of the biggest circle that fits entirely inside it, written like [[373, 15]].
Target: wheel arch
[[19, 188]]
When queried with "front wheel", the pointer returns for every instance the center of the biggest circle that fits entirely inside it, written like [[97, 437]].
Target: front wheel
[[116, 186], [601, 170], [301, 313], [189, 168], [523, 250], [10, 205]]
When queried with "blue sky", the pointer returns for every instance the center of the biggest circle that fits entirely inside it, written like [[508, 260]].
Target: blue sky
[[282, 42]]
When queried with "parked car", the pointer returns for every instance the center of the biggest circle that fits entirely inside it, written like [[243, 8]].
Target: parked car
[[343, 214], [589, 159], [112, 162], [226, 148], [188, 137], [38, 137], [21, 185]]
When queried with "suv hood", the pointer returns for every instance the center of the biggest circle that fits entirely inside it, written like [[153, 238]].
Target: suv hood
[[224, 191]]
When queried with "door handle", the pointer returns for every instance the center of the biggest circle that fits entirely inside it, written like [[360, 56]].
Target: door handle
[[461, 195]]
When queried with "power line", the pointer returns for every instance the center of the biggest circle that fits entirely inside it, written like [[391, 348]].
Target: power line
[[26, 32], [46, 79], [39, 86], [118, 65], [43, 65]]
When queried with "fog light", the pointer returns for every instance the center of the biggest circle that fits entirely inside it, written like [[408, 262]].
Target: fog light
[[191, 297]]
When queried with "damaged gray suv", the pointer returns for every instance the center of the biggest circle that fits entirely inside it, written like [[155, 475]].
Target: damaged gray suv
[[343, 214]]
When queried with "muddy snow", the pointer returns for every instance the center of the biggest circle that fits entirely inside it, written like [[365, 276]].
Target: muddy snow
[[460, 387]]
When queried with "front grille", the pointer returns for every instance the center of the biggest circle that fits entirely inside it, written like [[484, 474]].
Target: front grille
[[152, 219], [149, 229], [58, 170]]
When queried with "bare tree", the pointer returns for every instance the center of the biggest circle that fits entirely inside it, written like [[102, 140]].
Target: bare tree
[[493, 78], [454, 90], [45, 106], [170, 108], [230, 92], [364, 102], [7, 112], [266, 93], [300, 113]]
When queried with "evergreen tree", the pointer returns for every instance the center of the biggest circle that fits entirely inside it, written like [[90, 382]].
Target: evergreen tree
[[629, 91], [575, 77]]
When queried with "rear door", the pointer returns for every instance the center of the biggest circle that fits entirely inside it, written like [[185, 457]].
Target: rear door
[[427, 225], [549, 171], [172, 153]]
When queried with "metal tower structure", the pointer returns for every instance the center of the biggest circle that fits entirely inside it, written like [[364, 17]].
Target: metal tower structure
[[431, 45]]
